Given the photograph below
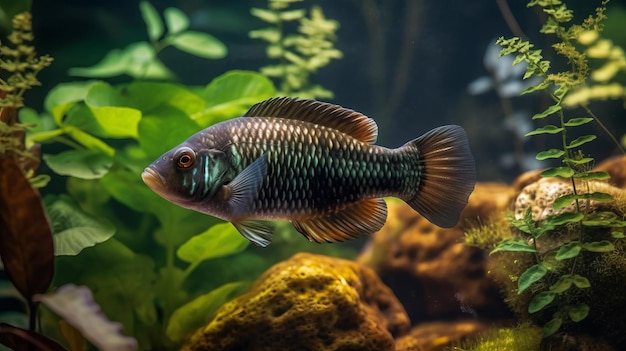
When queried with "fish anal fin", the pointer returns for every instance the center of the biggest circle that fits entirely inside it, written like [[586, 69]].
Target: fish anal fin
[[448, 175], [324, 114], [356, 220], [259, 232]]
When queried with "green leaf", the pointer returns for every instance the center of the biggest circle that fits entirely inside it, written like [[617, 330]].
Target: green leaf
[[618, 235], [552, 326], [575, 122], [270, 34], [598, 196], [601, 219], [151, 97], [578, 312], [561, 91], [563, 218], [176, 20], [541, 86], [563, 201], [266, 15], [548, 129], [552, 153], [580, 281], [151, 17], [579, 161], [89, 141], [531, 275], [550, 110], [564, 172], [75, 230], [599, 246], [65, 95], [292, 15], [580, 141], [569, 250], [561, 285], [540, 301], [163, 129], [194, 314], [599, 175], [515, 244], [84, 164], [219, 240], [232, 94], [199, 44], [116, 122]]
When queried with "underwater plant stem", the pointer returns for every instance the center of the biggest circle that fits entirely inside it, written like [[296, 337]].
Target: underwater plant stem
[[606, 130], [510, 20]]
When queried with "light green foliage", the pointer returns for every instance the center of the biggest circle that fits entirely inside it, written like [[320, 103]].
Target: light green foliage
[[299, 55], [140, 60], [558, 85], [524, 337]]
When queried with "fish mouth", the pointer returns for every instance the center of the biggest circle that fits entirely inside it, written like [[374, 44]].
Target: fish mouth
[[153, 179]]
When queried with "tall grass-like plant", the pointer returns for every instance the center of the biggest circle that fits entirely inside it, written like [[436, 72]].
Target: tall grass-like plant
[[575, 166]]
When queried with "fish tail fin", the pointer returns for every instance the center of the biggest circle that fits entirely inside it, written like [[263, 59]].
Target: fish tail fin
[[448, 175]]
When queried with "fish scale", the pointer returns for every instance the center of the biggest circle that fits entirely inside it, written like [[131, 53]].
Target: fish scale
[[314, 164]]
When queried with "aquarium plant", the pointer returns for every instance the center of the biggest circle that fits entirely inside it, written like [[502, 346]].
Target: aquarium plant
[[297, 56], [554, 274]]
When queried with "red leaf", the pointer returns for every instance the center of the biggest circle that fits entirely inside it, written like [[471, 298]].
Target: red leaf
[[20, 339], [26, 245]]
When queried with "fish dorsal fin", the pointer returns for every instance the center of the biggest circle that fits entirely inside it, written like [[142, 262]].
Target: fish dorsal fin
[[324, 114], [359, 219]]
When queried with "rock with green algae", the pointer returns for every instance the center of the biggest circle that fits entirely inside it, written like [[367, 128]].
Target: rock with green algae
[[307, 303]]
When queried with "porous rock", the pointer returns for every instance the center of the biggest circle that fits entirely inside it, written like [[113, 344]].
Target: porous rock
[[307, 303]]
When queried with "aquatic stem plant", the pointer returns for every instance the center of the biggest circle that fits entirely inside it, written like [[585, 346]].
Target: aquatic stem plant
[[299, 55], [575, 166]]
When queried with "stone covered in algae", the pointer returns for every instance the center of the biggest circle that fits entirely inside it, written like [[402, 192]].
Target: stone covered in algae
[[307, 303]]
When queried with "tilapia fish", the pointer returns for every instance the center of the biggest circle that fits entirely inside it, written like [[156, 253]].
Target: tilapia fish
[[315, 165]]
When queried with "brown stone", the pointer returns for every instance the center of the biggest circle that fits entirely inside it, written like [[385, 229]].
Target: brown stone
[[430, 269], [307, 303], [616, 167]]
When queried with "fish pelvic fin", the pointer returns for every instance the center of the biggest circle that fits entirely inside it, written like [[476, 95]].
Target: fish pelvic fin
[[358, 219], [448, 175], [259, 232], [324, 114]]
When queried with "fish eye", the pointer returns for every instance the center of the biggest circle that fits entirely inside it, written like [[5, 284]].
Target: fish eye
[[184, 157]]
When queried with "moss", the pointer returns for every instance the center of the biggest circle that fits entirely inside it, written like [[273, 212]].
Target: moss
[[525, 337]]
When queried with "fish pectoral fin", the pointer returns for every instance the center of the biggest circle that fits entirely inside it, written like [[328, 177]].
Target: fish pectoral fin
[[245, 187], [359, 219], [259, 232]]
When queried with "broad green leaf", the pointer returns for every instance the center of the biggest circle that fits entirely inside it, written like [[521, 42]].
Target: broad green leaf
[[151, 97], [270, 34], [580, 141], [618, 235], [552, 153], [232, 94], [84, 164], [199, 44], [151, 17], [266, 15], [580, 281], [599, 246], [65, 95], [176, 20], [116, 122], [194, 314], [601, 218], [563, 201], [549, 129], [531, 275], [564, 172], [574, 122], [578, 312], [113, 64], [563, 218], [561, 285], [569, 250], [552, 326], [597, 196], [550, 110], [579, 161], [219, 240], [540, 301], [514, 244], [599, 175], [75, 230], [163, 129]]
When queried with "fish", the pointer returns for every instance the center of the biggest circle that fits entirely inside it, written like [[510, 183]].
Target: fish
[[314, 164]]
